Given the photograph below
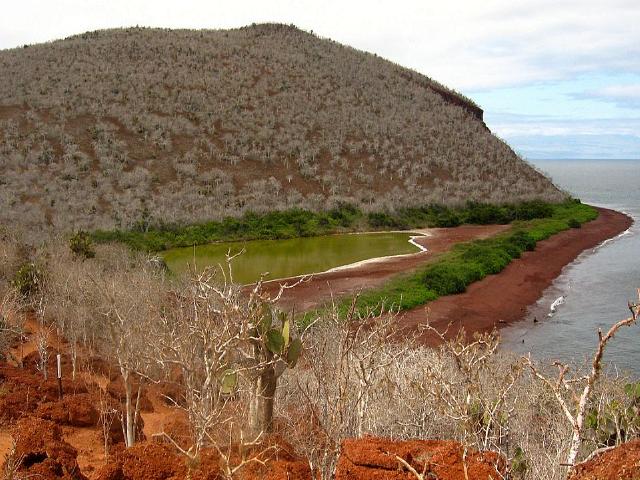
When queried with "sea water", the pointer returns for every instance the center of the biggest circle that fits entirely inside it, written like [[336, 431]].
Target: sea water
[[592, 292]]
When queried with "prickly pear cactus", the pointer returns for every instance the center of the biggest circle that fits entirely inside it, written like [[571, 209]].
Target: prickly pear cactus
[[274, 334]]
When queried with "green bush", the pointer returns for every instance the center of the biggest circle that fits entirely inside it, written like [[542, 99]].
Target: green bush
[[573, 223], [380, 219], [447, 278], [492, 258], [344, 214], [28, 280], [303, 223], [448, 219], [531, 210], [519, 462], [523, 241], [82, 245], [618, 420], [471, 261], [485, 214]]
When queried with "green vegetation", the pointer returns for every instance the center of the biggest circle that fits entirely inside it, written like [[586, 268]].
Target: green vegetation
[[612, 422], [573, 223], [468, 262], [27, 279], [81, 245], [305, 223]]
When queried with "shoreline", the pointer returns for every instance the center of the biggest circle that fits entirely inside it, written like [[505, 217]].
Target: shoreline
[[349, 279], [502, 299]]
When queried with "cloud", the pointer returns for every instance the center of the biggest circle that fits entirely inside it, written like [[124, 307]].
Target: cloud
[[602, 147], [624, 95], [621, 91], [510, 125], [546, 137]]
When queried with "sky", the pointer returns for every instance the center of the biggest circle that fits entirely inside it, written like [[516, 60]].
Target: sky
[[556, 79]]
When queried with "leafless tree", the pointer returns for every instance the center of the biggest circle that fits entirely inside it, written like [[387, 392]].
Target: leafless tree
[[579, 389], [227, 347], [347, 370], [42, 337], [11, 324], [129, 315], [478, 397]]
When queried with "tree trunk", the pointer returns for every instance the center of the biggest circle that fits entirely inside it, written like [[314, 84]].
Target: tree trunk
[[576, 441], [261, 409], [74, 359], [130, 426]]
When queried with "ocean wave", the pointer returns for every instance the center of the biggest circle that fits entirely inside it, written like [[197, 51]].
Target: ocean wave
[[554, 306], [628, 231]]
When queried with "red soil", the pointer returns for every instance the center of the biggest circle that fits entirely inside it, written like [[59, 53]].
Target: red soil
[[621, 463], [144, 461], [24, 391], [375, 459], [67, 442], [503, 298], [75, 410], [322, 287], [42, 452], [147, 461]]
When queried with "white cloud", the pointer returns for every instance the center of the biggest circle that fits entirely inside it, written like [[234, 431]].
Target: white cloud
[[620, 91], [627, 95], [509, 126], [578, 146], [469, 45]]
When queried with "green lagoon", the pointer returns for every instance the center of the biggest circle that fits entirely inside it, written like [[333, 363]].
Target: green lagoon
[[290, 257]]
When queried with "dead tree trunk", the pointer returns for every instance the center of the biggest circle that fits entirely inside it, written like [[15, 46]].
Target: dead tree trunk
[[261, 408], [131, 411]]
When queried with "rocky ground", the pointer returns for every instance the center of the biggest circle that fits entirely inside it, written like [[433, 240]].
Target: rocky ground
[[75, 438], [71, 438]]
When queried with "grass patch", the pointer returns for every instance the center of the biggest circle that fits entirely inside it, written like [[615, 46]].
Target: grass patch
[[466, 263], [304, 223]]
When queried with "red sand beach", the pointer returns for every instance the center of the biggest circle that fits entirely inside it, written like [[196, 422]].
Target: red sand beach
[[501, 299]]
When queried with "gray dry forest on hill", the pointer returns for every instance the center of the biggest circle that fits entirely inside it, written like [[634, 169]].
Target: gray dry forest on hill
[[102, 129]]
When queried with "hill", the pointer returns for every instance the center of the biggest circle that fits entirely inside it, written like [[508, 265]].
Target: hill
[[107, 128]]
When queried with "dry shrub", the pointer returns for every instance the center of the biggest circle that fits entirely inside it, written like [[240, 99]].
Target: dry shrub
[[466, 390], [176, 137]]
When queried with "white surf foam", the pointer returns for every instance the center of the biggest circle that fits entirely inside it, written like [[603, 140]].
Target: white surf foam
[[554, 306]]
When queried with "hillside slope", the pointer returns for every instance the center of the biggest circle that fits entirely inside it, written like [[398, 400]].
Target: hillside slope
[[106, 128]]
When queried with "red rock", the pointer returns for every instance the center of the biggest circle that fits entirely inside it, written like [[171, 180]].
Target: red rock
[[44, 453], [372, 458], [76, 410], [145, 461], [620, 463]]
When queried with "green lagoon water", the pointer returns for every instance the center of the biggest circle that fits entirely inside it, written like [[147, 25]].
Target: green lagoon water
[[287, 258]]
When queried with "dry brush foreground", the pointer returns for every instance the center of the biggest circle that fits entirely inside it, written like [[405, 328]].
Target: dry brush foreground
[[183, 374]]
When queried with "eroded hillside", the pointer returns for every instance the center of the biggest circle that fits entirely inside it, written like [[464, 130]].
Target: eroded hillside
[[107, 128]]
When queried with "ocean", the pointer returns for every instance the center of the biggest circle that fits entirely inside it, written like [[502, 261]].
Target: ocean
[[592, 292]]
